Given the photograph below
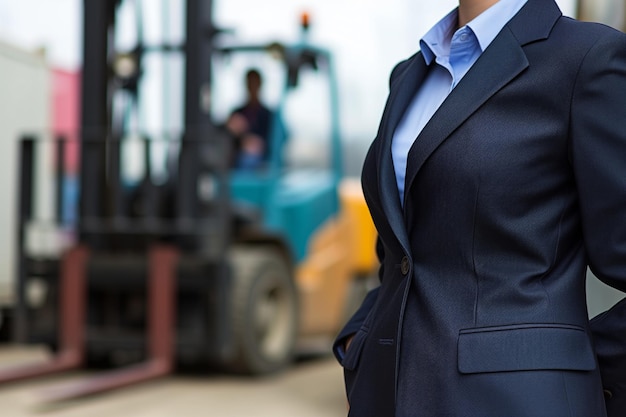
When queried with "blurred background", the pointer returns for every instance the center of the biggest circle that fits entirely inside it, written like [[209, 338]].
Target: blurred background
[[367, 38], [158, 227]]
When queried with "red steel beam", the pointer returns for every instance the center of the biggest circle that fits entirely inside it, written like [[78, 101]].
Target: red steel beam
[[161, 332], [72, 300]]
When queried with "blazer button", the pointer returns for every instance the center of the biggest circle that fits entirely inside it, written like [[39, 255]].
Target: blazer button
[[404, 265]]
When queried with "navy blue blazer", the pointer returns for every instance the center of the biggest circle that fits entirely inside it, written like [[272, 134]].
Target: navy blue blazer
[[514, 187]]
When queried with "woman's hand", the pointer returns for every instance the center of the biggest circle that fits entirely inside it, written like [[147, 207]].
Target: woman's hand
[[346, 345]]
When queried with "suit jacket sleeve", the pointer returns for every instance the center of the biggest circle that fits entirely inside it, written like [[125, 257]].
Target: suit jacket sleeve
[[598, 155]]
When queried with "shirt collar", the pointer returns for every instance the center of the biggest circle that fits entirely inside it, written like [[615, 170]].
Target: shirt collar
[[486, 26], [436, 42]]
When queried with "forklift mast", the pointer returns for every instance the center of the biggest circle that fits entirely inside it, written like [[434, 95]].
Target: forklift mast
[[117, 259], [101, 158]]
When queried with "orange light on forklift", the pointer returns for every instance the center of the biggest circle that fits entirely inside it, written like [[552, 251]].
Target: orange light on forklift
[[304, 20]]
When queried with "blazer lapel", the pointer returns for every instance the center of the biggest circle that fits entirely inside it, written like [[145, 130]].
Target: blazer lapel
[[502, 61], [499, 64], [403, 90]]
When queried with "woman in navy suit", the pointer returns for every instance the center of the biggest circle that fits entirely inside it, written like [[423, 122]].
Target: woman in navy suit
[[498, 174]]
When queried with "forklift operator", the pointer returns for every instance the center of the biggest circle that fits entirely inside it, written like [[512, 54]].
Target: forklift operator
[[250, 125]]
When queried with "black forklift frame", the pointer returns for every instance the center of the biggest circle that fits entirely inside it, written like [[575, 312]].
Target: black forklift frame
[[99, 209]]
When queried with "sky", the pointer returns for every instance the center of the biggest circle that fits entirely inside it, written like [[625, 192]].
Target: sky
[[367, 37]]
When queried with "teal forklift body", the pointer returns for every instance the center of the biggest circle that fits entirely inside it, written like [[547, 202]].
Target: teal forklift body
[[295, 204]]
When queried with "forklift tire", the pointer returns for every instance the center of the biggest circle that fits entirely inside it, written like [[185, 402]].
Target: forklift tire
[[264, 311]]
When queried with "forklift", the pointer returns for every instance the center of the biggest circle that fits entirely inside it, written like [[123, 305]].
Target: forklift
[[191, 265]]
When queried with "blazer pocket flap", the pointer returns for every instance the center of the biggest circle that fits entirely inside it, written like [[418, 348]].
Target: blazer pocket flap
[[523, 348], [351, 358]]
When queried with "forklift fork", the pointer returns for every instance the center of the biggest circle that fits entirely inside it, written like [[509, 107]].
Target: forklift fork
[[161, 324], [72, 322]]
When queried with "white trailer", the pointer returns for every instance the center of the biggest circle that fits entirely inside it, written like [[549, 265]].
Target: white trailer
[[25, 83]]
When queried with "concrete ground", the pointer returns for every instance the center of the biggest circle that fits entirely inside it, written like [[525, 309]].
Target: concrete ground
[[312, 388]]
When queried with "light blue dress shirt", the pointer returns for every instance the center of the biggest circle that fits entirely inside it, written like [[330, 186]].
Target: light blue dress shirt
[[450, 53]]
